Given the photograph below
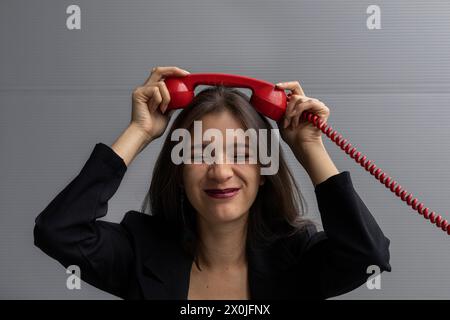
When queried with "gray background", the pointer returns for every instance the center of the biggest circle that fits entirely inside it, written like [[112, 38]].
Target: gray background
[[63, 91]]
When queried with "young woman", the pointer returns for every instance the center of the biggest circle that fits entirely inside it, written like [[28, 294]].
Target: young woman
[[215, 230]]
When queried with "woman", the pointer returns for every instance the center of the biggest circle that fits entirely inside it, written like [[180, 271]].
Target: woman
[[198, 245]]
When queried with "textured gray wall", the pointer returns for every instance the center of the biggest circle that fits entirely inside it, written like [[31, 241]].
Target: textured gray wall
[[63, 91]]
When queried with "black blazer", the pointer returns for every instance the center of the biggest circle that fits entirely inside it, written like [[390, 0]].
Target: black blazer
[[140, 258]]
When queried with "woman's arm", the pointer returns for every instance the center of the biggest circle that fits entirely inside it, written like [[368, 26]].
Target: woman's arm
[[315, 159], [333, 261], [337, 258], [68, 229], [130, 143]]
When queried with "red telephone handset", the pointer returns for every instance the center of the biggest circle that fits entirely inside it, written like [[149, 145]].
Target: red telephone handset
[[271, 102], [266, 98]]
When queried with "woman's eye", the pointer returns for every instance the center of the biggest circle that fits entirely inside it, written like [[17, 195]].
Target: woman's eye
[[209, 158], [202, 158], [246, 157]]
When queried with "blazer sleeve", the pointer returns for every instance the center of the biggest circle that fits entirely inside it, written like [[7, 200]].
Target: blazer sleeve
[[337, 258], [68, 230]]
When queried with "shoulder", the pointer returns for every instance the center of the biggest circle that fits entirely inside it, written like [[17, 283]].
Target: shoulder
[[142, 225], [288, 248], [134, 217], [296, 245]]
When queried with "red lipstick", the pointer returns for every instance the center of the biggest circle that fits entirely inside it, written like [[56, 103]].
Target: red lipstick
[[222, 193]]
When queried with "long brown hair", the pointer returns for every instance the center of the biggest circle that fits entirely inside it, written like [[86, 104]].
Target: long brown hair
[[274, 214]]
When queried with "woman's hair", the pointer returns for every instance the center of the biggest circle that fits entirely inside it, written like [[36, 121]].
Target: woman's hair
[[275, 212]]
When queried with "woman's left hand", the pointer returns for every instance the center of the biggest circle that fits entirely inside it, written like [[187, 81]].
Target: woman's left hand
[[294, 130]]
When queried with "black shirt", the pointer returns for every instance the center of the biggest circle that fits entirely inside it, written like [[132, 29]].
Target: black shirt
[[138, 258]]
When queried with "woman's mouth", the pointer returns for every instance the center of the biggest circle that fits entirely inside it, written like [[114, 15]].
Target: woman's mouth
[[222, 193]]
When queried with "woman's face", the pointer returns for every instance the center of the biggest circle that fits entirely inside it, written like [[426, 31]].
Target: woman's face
[[205, 183]]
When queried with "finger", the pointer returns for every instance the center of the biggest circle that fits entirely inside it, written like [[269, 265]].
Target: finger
[[165, 95], [299, 108], [158, 73], [148, 92], [157, 99], [312, 106], [294, 86], [152, 95], [288, 113], [315, 105], [295, 120], [290, 109]]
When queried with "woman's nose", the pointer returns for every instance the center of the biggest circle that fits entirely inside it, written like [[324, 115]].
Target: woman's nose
[[220, 171]]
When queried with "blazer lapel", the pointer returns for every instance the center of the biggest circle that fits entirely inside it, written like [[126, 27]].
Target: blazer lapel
[[267, 269], [165, 271], [162, 267]]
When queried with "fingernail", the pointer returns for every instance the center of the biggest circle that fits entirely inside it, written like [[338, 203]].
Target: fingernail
[[185, 71], [279, 84]]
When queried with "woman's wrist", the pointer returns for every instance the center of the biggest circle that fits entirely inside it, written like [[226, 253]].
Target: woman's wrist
[[130, 143], [316, 161]]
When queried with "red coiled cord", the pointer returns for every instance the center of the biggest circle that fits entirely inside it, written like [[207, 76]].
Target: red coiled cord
[[378, 173]]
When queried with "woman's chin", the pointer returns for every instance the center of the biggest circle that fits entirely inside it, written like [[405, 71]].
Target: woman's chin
[[224, 216]]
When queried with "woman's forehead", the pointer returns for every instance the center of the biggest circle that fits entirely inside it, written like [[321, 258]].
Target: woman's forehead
[[221, 120]]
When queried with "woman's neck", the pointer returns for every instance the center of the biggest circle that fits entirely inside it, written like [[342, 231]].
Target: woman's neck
[[222, 246]]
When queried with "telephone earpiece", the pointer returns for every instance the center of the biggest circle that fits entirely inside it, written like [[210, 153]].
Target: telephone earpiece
[[265, 98]]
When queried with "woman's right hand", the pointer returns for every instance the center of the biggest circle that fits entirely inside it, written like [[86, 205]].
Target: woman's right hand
[[150, 102]]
